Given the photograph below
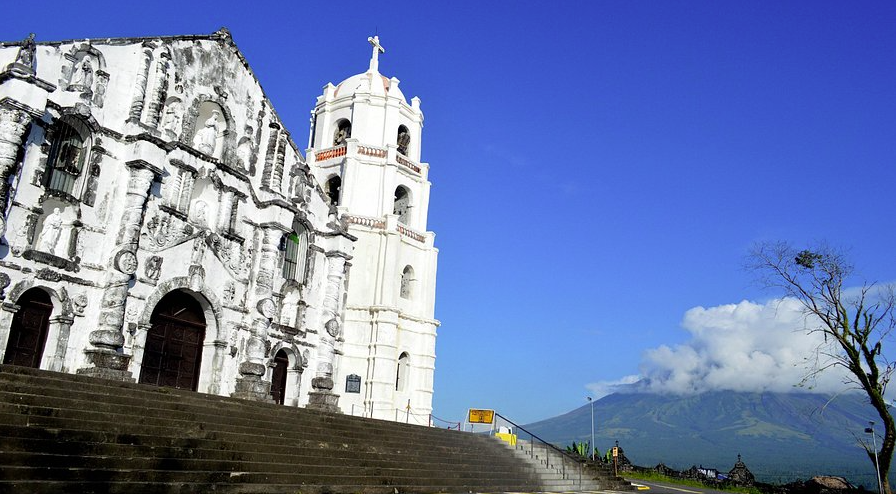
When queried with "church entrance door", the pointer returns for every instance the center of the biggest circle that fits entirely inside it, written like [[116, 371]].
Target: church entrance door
[[28, 333], [278, 379], [173, 350]]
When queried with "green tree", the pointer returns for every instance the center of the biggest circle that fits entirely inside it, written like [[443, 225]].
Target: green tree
[[857, 322]]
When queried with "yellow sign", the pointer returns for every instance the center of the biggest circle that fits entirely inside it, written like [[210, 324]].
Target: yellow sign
[[615, 452], [481, 416]]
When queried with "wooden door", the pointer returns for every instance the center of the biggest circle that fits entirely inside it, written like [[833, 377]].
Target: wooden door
[[28, 333], [173, 351]]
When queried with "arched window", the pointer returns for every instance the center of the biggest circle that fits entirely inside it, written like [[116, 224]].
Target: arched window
[[407, 282], [334, 187], [69, 147], [401, 372], [402, 205], [295, 247], [404, 139], [343, 132]]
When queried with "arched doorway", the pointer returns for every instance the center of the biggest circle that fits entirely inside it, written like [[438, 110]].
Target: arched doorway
[[173, 350], [278, 377], [28, 333]]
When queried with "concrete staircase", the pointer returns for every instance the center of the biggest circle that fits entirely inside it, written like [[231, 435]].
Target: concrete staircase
[[559, 472], [64, 433]]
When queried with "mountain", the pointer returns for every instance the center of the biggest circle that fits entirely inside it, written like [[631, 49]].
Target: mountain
[[782, 436]]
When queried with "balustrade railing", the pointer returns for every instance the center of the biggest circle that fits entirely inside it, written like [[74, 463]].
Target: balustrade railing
[[407, 163], [372, 151], [365, 221], [326, 154], [407, 232]]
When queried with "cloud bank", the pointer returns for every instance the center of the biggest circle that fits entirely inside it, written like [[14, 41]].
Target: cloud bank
[[736, 347]]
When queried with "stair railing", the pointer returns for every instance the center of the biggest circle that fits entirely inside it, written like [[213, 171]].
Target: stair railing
[[577, 463]]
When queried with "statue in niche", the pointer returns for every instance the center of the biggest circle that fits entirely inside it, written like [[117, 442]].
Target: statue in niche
[[25, 56], [206, 139], [244, 152], [49, 236], [171, 120], [83, 76], [200, 214]]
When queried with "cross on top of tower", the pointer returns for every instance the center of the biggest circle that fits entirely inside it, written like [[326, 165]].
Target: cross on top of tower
[[377, 49]]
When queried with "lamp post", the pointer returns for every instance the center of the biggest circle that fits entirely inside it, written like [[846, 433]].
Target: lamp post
[[592, 427], [870, 430]]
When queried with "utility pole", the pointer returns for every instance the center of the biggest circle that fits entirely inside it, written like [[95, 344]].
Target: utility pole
[[870, 430], [592, 428]]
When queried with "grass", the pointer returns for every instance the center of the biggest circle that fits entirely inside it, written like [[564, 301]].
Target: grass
[[653, 476]]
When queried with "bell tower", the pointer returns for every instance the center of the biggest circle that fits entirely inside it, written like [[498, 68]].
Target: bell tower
[[365, 147]]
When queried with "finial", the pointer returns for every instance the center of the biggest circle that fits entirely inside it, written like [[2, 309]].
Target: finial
[[377, 49]]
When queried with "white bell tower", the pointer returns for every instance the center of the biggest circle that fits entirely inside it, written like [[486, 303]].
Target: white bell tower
[[364, 146]]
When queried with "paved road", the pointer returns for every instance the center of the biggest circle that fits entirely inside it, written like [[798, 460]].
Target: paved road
[[663, 488]]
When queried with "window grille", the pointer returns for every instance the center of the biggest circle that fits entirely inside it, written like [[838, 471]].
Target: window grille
[[68, 155]]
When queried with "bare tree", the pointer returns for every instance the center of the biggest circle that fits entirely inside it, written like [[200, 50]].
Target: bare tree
[[856, 321]]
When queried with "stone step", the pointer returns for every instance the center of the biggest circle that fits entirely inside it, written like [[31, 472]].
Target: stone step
[[68, 433], [305, 464], [30, 410], [183, 408], [297, 455]]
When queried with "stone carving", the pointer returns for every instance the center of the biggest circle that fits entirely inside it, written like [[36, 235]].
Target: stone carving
[[153, 268], [49, 235], [197, 277], [171, 120], [200, 213], [229, 293], [305, 356], [126, 262], [82, 77], [79, 303], [25, 56], [206, 138], [4, 284], [102, 80], [333, 328], [132, 313], [267, 308]]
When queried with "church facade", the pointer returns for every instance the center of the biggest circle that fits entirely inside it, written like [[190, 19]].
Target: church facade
[[161, 225]]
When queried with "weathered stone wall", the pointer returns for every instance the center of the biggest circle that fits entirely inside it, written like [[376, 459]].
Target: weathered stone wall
[[171, 194]]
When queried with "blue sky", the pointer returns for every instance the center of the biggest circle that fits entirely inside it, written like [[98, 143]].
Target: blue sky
[[599, 168]]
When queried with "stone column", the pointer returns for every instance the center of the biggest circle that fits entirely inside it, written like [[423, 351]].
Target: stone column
[[106, 352], [251, 385], [13, 122], [323, 397], [136, 111]]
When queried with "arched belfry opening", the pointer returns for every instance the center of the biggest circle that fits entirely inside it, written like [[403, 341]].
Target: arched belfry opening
[[402, 371], [343, 131], [407, 283], [334, 188], [28, 333], [403, 140], [172, 354], [402, 204]]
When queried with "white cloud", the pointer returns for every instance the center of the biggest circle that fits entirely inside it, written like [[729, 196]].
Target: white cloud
[[604, 388], [740, 347]]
